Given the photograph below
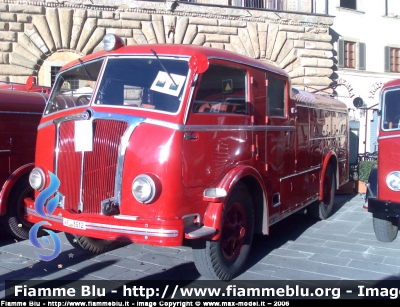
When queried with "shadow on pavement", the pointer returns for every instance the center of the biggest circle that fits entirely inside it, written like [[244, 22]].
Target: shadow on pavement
[[289, 229]]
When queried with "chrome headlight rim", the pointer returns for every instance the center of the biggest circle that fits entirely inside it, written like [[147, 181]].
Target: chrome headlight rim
[[35, 174], [150, 195], [393, 176]]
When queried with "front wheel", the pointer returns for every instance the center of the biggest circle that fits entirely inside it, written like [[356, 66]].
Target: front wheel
[[14, 221], [385, 228], [224, 259], [92, 245], [321, 210]]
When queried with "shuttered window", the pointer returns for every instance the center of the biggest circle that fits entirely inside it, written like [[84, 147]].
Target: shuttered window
[[341, 53], [392, 59], [395, 60], [349, 56], [361, 56], [387, 59]]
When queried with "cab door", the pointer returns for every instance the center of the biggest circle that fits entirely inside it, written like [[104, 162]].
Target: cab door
[[217, 135]]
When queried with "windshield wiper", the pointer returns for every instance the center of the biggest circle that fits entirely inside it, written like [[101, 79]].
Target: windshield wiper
[[169, 75], [84, 67]]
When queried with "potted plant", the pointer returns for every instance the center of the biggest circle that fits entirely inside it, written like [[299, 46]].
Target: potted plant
[[364, 169]]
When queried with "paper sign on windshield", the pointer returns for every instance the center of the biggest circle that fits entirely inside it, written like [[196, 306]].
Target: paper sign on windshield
[[164, 84]]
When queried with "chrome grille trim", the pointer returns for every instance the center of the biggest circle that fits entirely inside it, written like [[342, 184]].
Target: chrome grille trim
[[121, 142]]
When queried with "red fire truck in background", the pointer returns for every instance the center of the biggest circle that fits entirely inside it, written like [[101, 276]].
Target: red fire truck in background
[[155, 144], [29, 86], [21, 107], [384, 180]]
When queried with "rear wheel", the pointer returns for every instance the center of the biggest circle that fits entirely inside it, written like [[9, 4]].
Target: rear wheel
[[224, 259], [322, 210], [385, 228], [14, 221], [92, 245]]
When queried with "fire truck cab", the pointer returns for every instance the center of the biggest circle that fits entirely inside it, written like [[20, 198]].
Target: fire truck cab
[[155, 144], [384, 180]]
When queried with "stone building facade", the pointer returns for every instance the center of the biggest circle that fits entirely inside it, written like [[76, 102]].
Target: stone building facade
[[37, 35]]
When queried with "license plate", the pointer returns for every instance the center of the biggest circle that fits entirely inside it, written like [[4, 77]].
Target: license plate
[[74, 224]]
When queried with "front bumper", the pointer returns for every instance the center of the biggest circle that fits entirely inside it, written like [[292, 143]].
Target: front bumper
[[124, 228], [383, 207]]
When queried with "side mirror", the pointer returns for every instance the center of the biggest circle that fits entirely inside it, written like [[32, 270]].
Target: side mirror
[[358, 102]]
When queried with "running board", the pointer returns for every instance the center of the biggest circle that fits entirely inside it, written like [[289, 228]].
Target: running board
[[195, 231]]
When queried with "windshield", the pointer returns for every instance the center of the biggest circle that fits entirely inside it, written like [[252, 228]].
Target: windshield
[[148, 83], [74, 87], [391, 110]]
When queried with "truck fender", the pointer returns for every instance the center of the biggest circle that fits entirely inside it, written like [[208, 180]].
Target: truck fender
[[328, 158], [9, 184], [372, 184], [214, 211]]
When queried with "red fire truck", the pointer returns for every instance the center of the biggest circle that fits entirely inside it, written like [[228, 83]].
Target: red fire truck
[[384, 180], [155, 144], [29, 86], [20, 114]]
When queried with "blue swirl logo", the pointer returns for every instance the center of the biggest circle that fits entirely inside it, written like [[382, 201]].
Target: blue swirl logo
[[50, 196]]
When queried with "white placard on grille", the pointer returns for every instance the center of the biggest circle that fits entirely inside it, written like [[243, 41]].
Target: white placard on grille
[[83, 135]]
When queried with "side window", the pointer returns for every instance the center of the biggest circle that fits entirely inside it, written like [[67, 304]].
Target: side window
[[317, 122], [328, 122], [222, 89], [276, 97], [391, 110]]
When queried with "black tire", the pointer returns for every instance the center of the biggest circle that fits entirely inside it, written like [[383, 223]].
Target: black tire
[[385, 228], [322, 209], [224, 259], [14, 221], [92, 245]]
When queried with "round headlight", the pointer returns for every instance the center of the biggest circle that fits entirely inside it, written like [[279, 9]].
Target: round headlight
[[37, 179], [143, 188], [112, 42], [393, 181]]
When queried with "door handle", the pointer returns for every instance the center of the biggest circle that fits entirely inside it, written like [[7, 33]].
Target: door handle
[[190, 136]]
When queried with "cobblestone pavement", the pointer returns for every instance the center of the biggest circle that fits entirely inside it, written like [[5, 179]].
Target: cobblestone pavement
[[299, 248]]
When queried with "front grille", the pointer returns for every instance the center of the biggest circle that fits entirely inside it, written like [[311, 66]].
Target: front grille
[[99, 165], [69, 165]]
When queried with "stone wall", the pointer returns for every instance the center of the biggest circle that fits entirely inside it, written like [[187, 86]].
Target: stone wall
[[31, 31]]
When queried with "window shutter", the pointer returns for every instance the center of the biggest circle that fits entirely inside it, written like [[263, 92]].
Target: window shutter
[[387, 59], [341, 53], [361, 56], [373, 132]]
